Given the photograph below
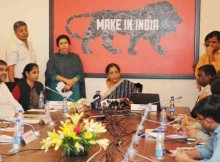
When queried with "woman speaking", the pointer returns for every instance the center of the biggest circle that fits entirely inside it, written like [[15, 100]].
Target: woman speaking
[[115, 87]]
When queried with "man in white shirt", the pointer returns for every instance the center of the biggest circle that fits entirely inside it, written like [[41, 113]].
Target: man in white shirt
[[8, 105], [19, 53]]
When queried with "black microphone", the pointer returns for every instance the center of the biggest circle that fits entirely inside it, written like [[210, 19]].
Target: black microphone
[[58, 93]]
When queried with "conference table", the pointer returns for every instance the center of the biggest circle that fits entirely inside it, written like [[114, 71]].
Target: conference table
[[146, 146]]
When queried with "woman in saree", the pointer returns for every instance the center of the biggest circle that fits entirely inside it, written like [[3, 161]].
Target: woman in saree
[[65, 67], [115, 87]]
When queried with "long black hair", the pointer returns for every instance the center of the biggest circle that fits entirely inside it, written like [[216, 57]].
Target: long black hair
[[28, 68]]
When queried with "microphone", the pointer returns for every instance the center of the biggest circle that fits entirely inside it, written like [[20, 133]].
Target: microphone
[[36, 133], [58, 93], [16, 147], [131, 151]]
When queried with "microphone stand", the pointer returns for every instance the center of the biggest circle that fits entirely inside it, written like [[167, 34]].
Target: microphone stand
[[131, 150]]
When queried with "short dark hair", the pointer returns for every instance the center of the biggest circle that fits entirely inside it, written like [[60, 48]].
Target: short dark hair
[[18, 24], [62, 37], [209, 107], [28, 68], [208, 36], [208, 70], [215, 34], [110, 66], [2, 62]]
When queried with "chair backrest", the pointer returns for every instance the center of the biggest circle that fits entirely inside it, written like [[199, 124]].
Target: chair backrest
[[10, 85]]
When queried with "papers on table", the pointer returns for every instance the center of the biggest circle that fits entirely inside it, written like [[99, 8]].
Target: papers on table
[[60, 86], [9, 129], [5, 139], [40, 110], [176, 136], [31, 120], [55, 105]]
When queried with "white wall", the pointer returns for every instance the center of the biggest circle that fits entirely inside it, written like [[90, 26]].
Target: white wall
[[36, 15]]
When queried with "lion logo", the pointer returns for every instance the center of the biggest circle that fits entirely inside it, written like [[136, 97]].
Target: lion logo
[[150, 23]]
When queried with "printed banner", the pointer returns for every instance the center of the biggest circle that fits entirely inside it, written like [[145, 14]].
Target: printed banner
[[150, 37]]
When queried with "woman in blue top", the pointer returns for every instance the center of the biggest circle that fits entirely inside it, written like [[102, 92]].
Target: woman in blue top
[[65, 67]]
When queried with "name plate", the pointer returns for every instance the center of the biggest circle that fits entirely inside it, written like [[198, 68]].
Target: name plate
[[28, 137], [141, 107], [46, 119]]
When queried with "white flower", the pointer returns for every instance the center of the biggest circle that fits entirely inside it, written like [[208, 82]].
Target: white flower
[[103, 142]]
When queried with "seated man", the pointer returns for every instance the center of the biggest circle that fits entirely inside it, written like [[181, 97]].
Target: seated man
[[208, 114], [212, 55], [8, 105], [205, 73]]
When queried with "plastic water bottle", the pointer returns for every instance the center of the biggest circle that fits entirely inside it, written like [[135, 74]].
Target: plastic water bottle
[[47, 108], [163, 118], [20, 116], [65, 109], [160, 145], [172, 106], [41, 99], [17, 136]]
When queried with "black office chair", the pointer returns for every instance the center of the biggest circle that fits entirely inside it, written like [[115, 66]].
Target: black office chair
[[10, 85], [139, 87]]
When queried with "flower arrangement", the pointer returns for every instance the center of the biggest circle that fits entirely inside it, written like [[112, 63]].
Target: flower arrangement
[[76, 138]]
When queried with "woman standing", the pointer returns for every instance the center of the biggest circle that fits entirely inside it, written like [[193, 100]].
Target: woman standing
[[115, 87], [65, 67], [27, 91]]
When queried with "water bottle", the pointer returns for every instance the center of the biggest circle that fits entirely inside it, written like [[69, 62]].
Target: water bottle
[[160, 145], [41, 99], [65, 109], [17, 136], [20, 116], [163, 118], [47, 108], [172, 106]]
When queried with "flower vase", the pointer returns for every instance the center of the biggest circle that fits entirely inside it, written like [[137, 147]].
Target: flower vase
[[74, 153]]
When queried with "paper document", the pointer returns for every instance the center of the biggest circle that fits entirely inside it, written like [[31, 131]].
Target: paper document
[[176, 136], [39, 110], [60, 86], [6, 139], [10, 129]]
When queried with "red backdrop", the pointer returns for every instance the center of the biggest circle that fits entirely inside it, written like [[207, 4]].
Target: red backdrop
[[179, 44]]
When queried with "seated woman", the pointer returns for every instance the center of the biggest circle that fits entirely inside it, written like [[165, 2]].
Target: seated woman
[[115, 87], [65, 68], [28, 90]]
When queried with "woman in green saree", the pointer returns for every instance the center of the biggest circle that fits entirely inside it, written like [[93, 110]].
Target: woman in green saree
[[65, 67]]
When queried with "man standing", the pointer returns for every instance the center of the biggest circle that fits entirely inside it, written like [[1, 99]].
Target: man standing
[[8, 105], [208, 114], [20, 53]]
